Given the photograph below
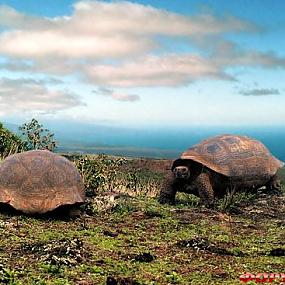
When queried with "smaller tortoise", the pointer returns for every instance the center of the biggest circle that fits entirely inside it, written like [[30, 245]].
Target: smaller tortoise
[[217, 164], [39, 181]]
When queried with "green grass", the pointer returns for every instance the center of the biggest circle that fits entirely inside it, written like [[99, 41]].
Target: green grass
[[36, 251]]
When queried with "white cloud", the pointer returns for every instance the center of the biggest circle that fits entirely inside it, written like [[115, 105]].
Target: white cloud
[[38, 44], [136, 19], [12, 19], [102, 30], [168, 70], [113, 44], [27, 95], [119, 96]]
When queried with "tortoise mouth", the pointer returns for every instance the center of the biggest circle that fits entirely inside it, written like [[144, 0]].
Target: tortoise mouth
[[181, 172]]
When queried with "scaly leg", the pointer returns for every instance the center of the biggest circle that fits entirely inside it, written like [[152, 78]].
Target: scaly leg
[[169, 188], [205, 189], [274, 185]]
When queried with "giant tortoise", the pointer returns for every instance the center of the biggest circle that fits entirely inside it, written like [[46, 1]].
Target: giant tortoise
[[217, 164], [39, 181]]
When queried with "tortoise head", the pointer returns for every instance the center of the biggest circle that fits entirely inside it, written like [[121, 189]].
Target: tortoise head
[[181, 169], [181, 172]]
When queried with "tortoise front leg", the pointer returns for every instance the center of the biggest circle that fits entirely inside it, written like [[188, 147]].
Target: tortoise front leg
[[205, 189], [169, 188], [274, 185]]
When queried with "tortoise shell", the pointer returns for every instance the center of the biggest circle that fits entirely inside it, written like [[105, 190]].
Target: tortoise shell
[[235, 157], [39, 181]]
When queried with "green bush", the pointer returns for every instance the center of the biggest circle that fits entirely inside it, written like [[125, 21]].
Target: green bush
[[105, 173], [9, 143], [99, 173], [37, 137], [142, 181]]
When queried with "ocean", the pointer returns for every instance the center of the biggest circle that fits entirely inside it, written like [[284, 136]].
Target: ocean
[[157, 142]]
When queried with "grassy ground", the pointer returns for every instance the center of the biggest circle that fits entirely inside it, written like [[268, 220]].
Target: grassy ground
[[138, 241], [142, 242]]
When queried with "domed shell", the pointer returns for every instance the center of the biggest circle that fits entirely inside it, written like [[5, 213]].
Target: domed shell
[[39, 181], [234, 156]]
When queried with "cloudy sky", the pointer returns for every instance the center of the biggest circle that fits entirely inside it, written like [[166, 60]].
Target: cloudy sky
[[142, 62]]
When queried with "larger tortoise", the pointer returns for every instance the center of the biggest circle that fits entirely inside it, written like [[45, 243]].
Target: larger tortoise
[[217, 164], [39, 181]]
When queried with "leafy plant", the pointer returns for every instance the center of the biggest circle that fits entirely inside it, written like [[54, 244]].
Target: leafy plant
[[9, 143], [99, 173], [142, 182], [105, 173], [37, 137]]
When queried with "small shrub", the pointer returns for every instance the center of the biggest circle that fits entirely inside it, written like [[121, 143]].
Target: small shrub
[[37, 137], [9, 143], [103, 173], [99, 173]]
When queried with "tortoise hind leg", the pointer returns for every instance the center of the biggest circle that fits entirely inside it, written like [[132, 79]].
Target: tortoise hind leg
[[169, 188], [205, 189], [274, 185]]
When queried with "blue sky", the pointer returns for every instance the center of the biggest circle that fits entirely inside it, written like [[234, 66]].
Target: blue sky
[[143, 62]]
